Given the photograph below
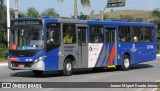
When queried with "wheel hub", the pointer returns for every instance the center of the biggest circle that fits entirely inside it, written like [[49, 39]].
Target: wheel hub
[[68, 66], [126, 63]]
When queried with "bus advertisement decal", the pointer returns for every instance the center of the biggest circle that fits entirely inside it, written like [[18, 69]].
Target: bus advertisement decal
[[112, 54]]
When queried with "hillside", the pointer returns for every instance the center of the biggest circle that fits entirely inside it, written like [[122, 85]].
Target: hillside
[[145, 15]]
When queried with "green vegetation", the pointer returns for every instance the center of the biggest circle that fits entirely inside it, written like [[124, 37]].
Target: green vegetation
[[131, 15], [85, 3], [32, 12]]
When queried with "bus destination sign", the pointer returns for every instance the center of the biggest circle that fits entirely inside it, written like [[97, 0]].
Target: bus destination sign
[[27, 22]]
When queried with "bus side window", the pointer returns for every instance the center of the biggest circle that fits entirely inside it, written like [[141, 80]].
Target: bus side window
[[148, 34], [69, 34], [137, 34], [96, 34], [124, 34]]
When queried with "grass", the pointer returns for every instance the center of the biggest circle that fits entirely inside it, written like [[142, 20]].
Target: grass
[[3, 60], [145, 15]]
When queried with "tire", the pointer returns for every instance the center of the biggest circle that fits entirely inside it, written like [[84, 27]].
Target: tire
[[37, 72], [126, 64], [67, 67]]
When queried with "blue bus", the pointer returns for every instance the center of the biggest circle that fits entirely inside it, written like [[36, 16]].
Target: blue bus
[[49, 44]]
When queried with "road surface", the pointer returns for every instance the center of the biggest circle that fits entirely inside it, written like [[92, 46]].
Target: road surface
[[144, 72]]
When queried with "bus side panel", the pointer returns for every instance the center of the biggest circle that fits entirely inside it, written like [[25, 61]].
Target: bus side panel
[[124, 48], [139, 52], [95, 56], [51, 60]]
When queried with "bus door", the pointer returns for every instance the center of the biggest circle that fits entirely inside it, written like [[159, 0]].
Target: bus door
[[82, 46], [111, 45]]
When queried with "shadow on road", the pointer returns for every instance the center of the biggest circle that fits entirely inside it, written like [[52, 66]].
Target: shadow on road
[[29, 74]]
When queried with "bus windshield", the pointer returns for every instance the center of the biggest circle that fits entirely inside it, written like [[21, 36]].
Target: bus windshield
[[26, 38]]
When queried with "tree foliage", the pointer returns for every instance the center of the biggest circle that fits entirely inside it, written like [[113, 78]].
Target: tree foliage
[[50, 12], [32, 12], [85, 4], [83, 16], [156, 16]]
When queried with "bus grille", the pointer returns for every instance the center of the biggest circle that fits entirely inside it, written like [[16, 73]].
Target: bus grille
[[26, 64]]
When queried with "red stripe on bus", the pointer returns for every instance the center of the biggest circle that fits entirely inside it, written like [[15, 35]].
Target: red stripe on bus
[[111, 56]]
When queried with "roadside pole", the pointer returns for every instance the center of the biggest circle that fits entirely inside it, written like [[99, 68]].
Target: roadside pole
[[8, 21]]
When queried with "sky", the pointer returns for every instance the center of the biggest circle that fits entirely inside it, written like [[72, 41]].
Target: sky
[[66, 9]]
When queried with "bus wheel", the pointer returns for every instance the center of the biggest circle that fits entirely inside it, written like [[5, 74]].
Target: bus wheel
[[37, 72], [126, 64], [67, 67]]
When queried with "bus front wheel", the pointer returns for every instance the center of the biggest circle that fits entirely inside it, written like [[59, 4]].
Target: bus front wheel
[[126, 64], [67, 67], [37, 72]]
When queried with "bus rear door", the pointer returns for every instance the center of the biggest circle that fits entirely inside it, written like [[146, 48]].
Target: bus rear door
[[111, 45]]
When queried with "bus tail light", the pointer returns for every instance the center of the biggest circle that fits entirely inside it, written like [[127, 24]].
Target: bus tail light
[[13, 47], [13, 59]]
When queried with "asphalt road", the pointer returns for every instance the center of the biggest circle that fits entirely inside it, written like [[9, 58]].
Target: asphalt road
[[144, 72]]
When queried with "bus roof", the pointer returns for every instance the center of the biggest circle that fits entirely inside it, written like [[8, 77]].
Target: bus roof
[[118, 23], [93, 21]]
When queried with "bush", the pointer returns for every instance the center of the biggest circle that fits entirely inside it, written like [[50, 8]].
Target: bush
[[3, 51]]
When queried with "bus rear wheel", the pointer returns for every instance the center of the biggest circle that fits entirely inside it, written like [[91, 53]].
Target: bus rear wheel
[[126, 64], [37, 72], [67, 67]]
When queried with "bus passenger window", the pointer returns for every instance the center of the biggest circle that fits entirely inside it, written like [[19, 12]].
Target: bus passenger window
[[69, 34], [96, 34], [124, 34], [137, 34], [148, 34]]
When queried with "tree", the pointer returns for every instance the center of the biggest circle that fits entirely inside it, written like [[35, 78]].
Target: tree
[[1, 2], [50, 12], [139, 20], [92, 12], [32, 12], [83, 16], [85, 3], [127, 17], [3, 26], [21, 14], [156, 15]]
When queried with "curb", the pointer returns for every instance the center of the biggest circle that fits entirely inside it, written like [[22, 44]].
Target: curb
[[158, 55], [3, 64]]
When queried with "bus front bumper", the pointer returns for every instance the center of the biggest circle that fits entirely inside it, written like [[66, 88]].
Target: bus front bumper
[[26, 66]]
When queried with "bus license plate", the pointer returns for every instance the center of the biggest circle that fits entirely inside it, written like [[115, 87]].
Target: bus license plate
[[21, 65]]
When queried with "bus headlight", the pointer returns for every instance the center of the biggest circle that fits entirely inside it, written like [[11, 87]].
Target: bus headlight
[[38, 59]]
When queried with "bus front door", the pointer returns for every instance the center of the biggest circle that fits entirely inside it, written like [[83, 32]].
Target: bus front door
[[111, 46], [82, 46]]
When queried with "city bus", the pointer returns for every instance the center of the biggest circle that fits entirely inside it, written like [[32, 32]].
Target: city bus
[[49, 44]]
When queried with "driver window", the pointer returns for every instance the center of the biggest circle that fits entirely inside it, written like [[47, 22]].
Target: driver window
[[52, 36], [53, 33]]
